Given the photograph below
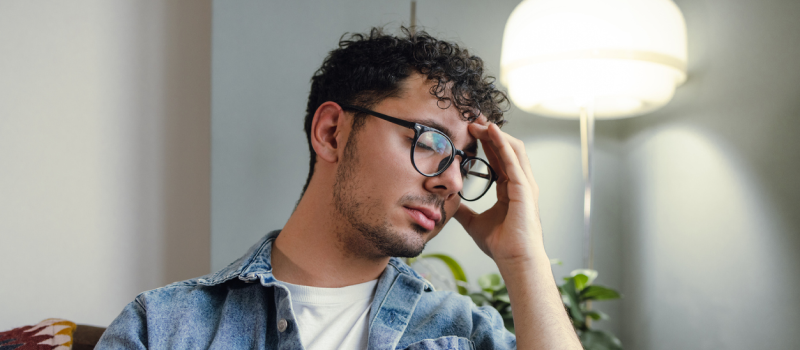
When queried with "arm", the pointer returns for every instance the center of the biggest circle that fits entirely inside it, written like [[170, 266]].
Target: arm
[[128, 331], [510, 233]]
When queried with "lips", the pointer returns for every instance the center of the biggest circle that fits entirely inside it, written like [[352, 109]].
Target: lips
[[425, 217]]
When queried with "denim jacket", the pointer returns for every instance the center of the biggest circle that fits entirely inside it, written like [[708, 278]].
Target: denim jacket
[[243, 307]]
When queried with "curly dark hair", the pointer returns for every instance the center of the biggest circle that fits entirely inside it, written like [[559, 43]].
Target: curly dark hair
[[367, 68]]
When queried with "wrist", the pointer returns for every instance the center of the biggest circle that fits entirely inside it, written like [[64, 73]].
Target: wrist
[[535, 257]]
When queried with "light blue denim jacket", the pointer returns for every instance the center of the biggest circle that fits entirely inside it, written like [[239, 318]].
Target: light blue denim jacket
[[243, 307]]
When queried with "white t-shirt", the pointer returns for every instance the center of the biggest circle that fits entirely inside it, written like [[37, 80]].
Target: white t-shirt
[[332, 318]]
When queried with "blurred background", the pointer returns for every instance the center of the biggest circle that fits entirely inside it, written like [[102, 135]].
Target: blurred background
[[144, 142]]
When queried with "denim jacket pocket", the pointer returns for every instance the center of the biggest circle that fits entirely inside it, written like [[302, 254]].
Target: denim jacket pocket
[[444, 343]]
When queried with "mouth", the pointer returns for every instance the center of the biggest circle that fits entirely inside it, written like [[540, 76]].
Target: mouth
[[427, 218]]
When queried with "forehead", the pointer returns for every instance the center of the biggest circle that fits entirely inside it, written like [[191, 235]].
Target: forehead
[[415, 103]]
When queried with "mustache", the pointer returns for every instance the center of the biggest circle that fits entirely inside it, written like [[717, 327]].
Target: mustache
[[432, 200]]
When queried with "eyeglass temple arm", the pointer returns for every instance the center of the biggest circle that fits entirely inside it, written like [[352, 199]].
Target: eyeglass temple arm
[[482, 176], [465, 157], [385, 117]]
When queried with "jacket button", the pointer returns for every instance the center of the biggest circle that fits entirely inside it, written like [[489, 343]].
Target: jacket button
[[282, 325]]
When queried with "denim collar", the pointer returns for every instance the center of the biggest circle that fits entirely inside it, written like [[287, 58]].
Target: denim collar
[[255, 264]]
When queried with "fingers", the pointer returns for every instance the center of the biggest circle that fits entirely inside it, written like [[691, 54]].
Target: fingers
[[522, 155], [519, 150], [491, 156], [507, 155]]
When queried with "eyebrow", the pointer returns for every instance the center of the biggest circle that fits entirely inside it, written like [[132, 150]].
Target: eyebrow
[[471, 148]]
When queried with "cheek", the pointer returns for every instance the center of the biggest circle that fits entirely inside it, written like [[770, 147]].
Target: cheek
[[385, 162], [387, 171], [395, 165]]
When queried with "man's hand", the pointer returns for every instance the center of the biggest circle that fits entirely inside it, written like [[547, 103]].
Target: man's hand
[[511, 229], [510, 232]]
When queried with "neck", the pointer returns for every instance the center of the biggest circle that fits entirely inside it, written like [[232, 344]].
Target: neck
[[309, 250]]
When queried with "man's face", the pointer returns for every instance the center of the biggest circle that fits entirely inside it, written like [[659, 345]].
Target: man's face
[[388, 208]]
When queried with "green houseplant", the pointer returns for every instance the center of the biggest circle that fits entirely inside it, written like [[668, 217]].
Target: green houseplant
[[578, 292]]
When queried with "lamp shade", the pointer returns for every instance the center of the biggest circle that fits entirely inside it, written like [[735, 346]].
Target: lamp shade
[[624, 56]]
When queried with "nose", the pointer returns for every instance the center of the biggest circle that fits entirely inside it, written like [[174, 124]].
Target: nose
[[448, 183]]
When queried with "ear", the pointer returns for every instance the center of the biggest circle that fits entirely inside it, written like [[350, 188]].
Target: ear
[[326, 128]]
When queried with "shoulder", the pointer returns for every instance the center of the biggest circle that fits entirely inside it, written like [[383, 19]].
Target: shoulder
[[196, 292], [446, 316], [452, 308], [190, 313], [240, 277]]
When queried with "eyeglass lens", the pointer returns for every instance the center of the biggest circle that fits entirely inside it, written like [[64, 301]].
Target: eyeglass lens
[[433, 152], [477, 178]]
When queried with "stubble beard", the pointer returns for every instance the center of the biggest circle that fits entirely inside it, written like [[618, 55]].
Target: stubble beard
[[359, 237]]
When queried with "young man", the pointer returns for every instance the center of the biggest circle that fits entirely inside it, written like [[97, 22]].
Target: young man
[[393, 126]]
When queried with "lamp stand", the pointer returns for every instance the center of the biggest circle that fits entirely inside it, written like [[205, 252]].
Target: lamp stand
[[587, 148]]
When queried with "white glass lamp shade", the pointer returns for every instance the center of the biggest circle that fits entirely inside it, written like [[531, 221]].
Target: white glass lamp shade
[[626, 56]]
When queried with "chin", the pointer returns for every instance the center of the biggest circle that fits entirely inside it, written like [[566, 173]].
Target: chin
[[414, 247], [409, 244]]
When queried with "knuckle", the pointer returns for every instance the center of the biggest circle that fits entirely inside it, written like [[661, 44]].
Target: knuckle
[[501, 146]]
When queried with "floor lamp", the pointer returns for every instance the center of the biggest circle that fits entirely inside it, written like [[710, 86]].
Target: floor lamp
[[593, 59]]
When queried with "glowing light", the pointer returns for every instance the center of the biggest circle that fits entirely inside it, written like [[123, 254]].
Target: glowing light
[[625, 55]]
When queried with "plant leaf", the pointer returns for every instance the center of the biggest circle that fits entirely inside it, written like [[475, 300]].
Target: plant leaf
[[590, 274], [565, 299], [455, 268], [600, 340], [507, 314], [501, 290], [580, 281], [575, 313], [596, 314], [491, 282], [503, 297], [599, 293], [509, 324], [479, 299]]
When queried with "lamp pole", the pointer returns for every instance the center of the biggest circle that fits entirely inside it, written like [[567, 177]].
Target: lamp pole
[[587, 148], [413, 22]]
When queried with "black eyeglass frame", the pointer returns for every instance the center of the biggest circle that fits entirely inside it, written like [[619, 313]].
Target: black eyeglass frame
[[419, 129]]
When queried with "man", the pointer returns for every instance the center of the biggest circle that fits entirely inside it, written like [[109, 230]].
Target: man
[[393, 125]]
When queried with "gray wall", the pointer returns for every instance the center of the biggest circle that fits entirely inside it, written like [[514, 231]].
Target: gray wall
[[711, 193]]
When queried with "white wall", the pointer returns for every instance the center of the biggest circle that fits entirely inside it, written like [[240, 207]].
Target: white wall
[[104, 154], [712, 231]]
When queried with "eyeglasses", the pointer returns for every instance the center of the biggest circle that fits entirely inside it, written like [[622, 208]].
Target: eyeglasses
[[432, 152]]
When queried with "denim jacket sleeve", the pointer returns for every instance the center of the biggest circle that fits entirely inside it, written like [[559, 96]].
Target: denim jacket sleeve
[[128, 331], [447, 320], [489, 331]]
